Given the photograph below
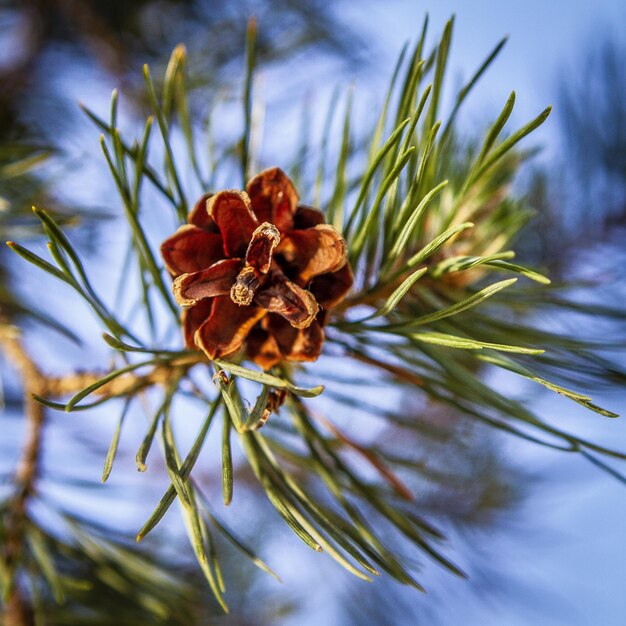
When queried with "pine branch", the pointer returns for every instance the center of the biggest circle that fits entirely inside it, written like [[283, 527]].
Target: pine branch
[[426, 222]]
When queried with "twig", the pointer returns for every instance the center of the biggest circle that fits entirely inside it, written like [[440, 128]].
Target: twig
[[56, 386], [18, 611], [397, 371]]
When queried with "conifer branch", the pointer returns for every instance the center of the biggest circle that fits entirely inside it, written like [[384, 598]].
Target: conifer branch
[[424, 227]]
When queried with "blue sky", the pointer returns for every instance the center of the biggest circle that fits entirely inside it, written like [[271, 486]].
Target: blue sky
[[544, 36]]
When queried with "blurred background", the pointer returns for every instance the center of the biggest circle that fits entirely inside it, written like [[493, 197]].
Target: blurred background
[[542, 535]]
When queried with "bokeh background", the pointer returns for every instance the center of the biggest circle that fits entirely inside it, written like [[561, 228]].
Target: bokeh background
[[546, 542]]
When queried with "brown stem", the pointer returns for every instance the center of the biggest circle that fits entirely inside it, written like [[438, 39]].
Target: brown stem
[[369, 455], [57, 386], [17, 611]]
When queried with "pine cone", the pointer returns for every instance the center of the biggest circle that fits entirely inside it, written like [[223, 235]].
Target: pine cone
[[255, 267]]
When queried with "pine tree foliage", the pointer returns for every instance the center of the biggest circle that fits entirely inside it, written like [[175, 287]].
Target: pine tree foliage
[[438, 305]]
